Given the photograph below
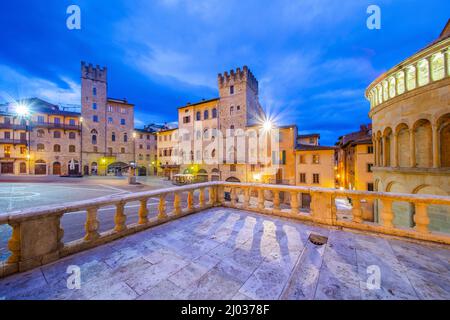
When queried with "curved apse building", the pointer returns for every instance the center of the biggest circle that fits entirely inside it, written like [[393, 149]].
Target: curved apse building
[[410, 112]]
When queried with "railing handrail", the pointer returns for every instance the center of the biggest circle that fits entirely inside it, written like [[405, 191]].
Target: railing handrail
[[43, 211], [434, 199]]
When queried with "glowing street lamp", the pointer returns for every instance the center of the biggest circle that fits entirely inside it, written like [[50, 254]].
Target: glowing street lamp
[[22, 110], [267, 125]]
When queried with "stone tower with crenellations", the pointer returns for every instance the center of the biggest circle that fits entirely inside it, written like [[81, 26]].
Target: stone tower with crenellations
[[94, 87], [239, 104]]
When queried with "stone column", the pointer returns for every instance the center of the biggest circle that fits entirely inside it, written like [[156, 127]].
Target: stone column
[[436, 155], [395, 145], [416, 66], [412, 148], [428, 59], [375, 151], [384, 159], [446, 66]]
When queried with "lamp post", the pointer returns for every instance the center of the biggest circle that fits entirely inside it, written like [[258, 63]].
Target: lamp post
[[81, 146], [132, 177]]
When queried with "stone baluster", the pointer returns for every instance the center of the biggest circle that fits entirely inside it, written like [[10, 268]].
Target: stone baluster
[[436, 155], [120, 217], [201, 197], [233, 196], [143, 211], [412, 148], [356, 209], [386, 214], [261, 199], [294, 203], [246, 203], [177, 204], [276, 200], [14, 244], [92, 224], [162, 207], [212, 196], [190, 200], [221, 195], [421, 218]]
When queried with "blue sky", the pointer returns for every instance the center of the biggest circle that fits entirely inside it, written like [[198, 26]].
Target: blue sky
[[313, 58]]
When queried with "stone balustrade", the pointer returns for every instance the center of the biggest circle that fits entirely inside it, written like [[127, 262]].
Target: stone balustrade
[[37, 233]]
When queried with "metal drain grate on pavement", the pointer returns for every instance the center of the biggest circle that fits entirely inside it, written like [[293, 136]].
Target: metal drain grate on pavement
[[318, 240]]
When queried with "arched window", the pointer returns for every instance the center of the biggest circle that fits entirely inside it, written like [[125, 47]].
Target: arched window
[[437, 66], [214, 113], [392, 87], [40, 133], [206, 114], [238, 108], [411, 78], [40, 147], [94, 136], [423, 73], [385, 90], [71, 148], [56, 148], [400, 82], [72, 135], [213, 153], [231, 110], [198, 116], [57, 134], [422, 137], [113, 137], [125, 137]]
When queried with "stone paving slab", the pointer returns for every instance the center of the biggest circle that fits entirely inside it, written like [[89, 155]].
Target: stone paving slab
[[231, 254]]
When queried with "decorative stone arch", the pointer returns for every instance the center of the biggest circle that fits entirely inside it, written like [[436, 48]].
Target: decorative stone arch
[[443, 140], [423, 149], [388, 147], [40, 167], [56, 168], [437, 68], [232, 179], [403, 146]]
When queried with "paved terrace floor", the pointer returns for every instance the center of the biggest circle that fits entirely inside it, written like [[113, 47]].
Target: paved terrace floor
[[230, 254]]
